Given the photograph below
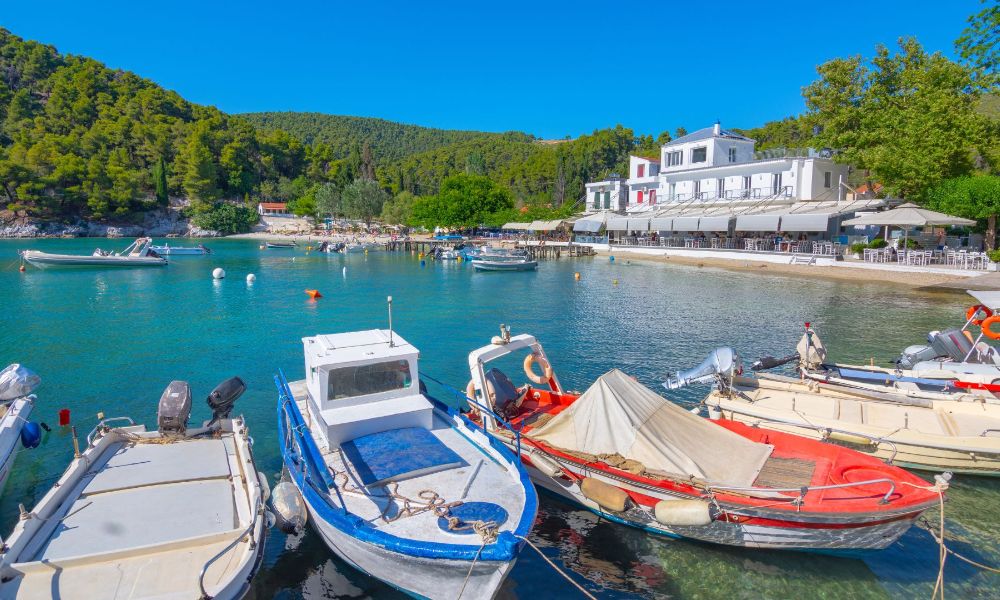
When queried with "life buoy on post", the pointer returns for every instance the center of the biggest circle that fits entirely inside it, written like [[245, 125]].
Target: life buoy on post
[[970, 315], [470, 393], [529, 371], [987, 326]]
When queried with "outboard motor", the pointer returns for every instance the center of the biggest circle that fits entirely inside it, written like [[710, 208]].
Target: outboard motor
[[912, 355], [17, 382], [175, 408], [224, 396], [722, 361]]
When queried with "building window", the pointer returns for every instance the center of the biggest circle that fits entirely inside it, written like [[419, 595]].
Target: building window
[[640, 170], [597, 199], [652, 196], [675, 158], [776, 184], [699, 155], [827, 179], [746, 182], [638, 196], [607, 199], [732, 155], [673, 191], [720, 187], [697, 189]]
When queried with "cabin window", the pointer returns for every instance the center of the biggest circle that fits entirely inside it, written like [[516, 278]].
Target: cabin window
[[699, 155], [361, 380]]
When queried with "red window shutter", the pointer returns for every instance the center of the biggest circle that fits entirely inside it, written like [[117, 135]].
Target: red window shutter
[[652, 196], [642, 171], [639, 196]]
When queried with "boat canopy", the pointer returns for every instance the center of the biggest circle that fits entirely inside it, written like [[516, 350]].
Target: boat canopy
[[619, 415]]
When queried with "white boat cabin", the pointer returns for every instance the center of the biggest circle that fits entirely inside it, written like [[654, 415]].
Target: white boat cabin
[[363, 382]]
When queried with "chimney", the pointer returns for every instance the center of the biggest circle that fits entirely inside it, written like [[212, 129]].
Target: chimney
[[717, 128]]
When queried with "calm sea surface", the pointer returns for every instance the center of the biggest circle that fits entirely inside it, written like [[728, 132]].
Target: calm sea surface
[[111, 341]]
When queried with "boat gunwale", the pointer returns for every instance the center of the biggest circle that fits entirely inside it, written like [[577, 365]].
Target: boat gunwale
[[504, 549]]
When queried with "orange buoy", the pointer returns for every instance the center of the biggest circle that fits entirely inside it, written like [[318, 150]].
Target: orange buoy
[[314, 294], [21, 269]]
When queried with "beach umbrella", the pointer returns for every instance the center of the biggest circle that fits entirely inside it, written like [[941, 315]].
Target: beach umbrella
[[908, 215]]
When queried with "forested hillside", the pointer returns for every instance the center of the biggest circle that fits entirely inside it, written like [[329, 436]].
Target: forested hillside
[[388, 140]]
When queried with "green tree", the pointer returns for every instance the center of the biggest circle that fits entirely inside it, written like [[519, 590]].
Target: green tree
[[979, 44], [399, 209], [328, 200], [160, 181], [464, 201], [972, 197], [363, 199], [680, 132], [909, 118], [199, 176]]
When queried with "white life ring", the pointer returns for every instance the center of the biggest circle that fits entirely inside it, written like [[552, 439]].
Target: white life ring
[[529, 371]]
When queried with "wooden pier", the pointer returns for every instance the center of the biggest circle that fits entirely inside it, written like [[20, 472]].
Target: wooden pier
[[534, 250]]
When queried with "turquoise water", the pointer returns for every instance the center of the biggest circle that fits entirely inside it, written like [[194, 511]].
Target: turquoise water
[[111, 341]]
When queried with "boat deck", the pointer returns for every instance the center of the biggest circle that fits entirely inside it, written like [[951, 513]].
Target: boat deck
[[478, 479], [142, 521]]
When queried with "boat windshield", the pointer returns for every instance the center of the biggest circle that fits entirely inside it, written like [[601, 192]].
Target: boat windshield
[[361, 380]]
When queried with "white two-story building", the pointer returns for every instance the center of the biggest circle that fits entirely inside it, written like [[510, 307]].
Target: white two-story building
[[712, 165]]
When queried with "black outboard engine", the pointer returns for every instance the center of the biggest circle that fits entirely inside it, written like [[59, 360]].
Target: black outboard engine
[[224, 396], [765, 363], [175, 408]]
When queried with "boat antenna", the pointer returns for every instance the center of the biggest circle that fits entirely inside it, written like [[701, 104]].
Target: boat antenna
[[390, 321]]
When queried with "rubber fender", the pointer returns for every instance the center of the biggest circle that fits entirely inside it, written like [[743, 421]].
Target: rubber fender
[[31, 435], [289, 507], [682, 513], [605, 495], [544, 463], [850, 438]]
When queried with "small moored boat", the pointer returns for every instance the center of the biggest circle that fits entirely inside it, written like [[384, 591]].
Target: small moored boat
[[16, 402], [138, 254], [171, 513], [626, 453], [958, 435], [504, 260], [397, 484], [168, 250], [280, 245]]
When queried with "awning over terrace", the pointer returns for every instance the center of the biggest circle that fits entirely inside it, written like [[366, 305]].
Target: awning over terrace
[[591, 223], [707, 224], [618, 224], [758, 222], [516, 226], [685, 224]]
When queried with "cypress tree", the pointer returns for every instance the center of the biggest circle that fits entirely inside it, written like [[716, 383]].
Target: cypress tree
[[160, 181]]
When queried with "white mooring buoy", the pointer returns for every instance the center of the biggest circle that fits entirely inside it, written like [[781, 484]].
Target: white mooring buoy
[[251, 278], [218, 273]]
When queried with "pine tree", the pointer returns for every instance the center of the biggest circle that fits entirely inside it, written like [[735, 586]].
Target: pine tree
[[160, 181], [199, 171]]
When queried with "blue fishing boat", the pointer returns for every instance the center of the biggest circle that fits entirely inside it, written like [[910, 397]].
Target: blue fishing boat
[[399, 485]]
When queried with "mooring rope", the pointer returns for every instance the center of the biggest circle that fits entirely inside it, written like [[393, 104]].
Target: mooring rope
[[557, 569]]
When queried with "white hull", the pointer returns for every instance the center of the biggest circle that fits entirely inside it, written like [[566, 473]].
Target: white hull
[[179, 251], [45, 260], [112, 515], [494, 265], [10, 434], [426, 577]]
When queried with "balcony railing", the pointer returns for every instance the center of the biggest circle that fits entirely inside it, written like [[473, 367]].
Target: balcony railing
[[743, 194]]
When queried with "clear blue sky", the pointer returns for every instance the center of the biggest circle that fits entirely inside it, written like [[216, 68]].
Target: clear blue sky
[[548, 69]]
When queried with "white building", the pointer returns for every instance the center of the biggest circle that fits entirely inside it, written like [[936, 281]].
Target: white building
[[712, 165], [610, 194]]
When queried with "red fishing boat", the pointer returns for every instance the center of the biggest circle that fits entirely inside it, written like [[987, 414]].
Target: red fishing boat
[[625, 452]]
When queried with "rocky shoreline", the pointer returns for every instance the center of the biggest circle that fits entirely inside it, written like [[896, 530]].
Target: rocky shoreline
[[161, 223]]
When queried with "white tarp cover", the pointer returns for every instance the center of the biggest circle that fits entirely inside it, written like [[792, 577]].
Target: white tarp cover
[[685, 224], [661, 224], [908, 214], [714, 223], [516, 226], [757, 222], [619, 224], [805, 222], [617, 414]]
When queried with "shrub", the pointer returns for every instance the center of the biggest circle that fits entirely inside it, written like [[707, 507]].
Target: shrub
[[226, 218], [878, 243], [858, 247], [994, 255]]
